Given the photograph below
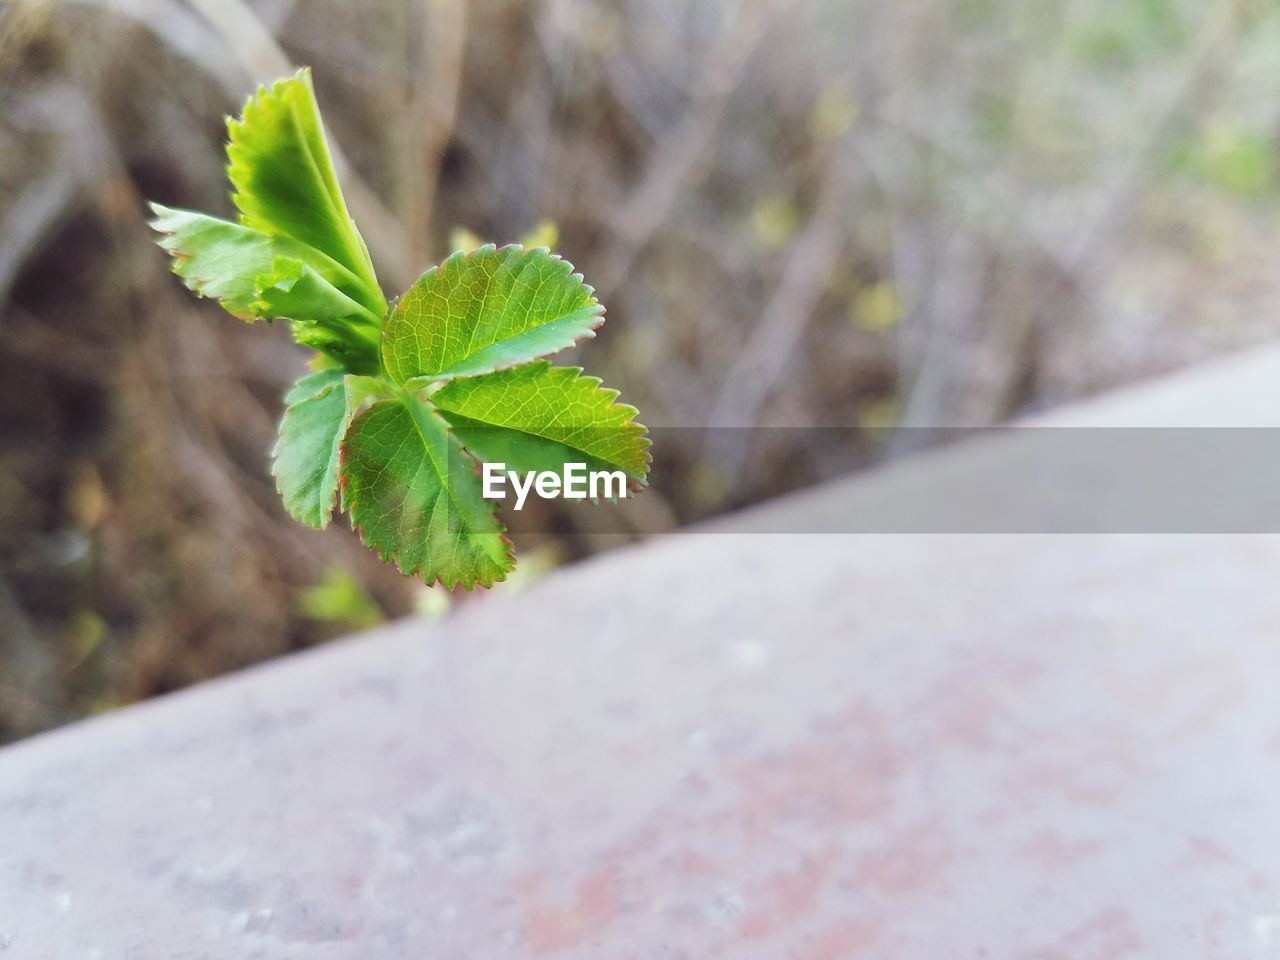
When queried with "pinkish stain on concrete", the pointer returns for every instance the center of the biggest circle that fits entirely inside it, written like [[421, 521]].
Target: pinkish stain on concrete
[[996, 774]]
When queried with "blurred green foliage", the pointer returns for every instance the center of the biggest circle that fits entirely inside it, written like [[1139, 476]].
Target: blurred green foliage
[[339, 599]]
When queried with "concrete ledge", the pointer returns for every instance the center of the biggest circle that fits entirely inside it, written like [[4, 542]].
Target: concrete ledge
[[756, 746]]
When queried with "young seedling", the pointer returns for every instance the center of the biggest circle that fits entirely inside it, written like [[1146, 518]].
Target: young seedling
[[404, 398]]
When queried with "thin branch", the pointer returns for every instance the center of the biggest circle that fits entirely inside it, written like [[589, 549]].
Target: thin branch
[[32, 216], [812, 259], [433, 115], [677, 164]]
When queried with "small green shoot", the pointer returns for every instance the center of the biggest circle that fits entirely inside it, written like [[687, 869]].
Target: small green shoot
[[406, 398]]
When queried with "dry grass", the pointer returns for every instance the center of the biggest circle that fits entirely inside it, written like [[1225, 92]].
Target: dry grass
[[797, 211]]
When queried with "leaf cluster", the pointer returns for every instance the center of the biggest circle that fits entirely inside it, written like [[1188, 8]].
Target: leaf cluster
[[405, 398]]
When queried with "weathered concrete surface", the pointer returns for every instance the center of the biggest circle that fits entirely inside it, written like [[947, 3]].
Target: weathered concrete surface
[[748, 746]]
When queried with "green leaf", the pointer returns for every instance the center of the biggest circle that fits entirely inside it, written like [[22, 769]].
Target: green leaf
[[260, 277], [241, 266], [285, 185], [487, 310], [413, 495], [214, 258], [328, 320], [227, 261], [305, 458], [310, 384], [540, 417], [296, 290]]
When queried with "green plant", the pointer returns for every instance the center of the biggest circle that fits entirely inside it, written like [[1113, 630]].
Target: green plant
[[403, 398]]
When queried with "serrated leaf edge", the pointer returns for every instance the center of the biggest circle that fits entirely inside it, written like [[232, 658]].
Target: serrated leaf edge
[[326, 516], [178, 258], [570, 271], [634, 484], [386, 556], [363, 271]]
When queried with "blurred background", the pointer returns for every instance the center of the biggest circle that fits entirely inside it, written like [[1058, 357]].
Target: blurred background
[[853, 213]]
